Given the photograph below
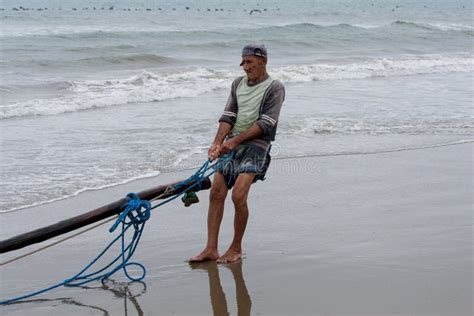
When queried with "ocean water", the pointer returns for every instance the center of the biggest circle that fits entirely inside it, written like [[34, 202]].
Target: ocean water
[[98, 93]]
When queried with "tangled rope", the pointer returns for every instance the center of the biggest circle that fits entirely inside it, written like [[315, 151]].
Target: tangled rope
[[135, 213]]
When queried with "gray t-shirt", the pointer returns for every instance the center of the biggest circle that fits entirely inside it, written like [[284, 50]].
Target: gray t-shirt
[[259, 104]]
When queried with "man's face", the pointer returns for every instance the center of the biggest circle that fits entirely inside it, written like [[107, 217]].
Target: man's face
[[254, 66]]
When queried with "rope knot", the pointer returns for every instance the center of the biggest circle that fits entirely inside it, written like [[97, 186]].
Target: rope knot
[[135, 212]]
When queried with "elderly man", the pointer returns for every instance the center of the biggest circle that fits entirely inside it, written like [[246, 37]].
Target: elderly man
[[246, 128]]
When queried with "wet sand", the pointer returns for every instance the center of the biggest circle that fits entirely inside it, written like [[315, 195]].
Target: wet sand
[[380, 234]]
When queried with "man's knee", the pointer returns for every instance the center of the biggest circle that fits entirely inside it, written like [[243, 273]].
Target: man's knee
[[241, 189], [218, 193], [239, 197]]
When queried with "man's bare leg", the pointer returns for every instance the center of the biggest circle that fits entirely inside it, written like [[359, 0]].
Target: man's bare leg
[[239, 197], [214, 218]]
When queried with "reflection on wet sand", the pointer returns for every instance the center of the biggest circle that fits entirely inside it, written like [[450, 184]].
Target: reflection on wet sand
[[119, 289], [218, 299]]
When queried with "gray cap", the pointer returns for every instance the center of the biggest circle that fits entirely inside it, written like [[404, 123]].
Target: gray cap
[[254, 50]]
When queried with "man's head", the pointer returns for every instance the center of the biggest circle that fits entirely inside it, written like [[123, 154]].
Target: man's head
[[254, 61]]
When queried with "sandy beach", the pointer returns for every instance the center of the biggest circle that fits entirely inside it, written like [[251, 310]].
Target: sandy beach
[[372, 234]]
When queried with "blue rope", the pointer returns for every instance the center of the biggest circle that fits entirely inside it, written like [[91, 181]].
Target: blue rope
[[205, 171], [135, 213]]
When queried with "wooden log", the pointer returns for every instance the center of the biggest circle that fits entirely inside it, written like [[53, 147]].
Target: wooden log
[[93, 216]]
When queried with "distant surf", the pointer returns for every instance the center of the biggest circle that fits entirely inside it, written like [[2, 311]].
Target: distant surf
[[91, 32]]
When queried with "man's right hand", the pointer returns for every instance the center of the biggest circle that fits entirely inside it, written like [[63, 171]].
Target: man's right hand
[[214, 152]]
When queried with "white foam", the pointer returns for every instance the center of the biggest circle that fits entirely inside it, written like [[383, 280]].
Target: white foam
[[68, 30], [184, 156], [449, 26], [101, 187], [145, 87], [381, 67], [149, 87], [434, 26], [348, 125]]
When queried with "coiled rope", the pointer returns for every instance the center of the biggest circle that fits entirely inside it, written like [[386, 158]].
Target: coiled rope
[[135, 214]]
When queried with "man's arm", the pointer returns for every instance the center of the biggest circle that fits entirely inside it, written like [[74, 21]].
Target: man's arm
[[222, 132], [252, 132], [219, 147], [226, 121], [271, 108]]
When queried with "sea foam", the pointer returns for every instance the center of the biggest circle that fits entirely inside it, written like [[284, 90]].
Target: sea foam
[[151, 87]]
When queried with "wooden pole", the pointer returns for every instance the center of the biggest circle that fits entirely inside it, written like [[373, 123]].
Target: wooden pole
[[93, 216]]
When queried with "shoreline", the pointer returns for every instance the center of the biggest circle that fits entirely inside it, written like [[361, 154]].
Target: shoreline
[[175, 170]]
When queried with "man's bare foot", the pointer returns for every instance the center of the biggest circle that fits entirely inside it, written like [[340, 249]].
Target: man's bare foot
[[205, 255], [230, 256]]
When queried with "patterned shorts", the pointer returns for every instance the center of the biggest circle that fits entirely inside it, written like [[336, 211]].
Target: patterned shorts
[[249, 158]]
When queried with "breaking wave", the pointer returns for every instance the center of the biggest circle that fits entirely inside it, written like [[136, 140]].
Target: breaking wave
[[151, 87]]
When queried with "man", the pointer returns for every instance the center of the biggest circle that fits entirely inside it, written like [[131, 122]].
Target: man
[[246, 128]]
